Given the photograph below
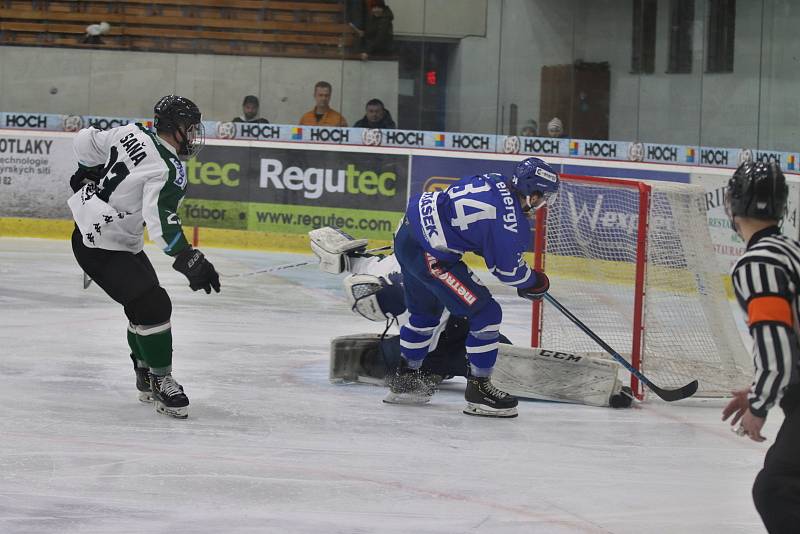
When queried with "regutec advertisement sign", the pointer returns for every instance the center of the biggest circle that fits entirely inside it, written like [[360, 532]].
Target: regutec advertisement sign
[[296, 190]]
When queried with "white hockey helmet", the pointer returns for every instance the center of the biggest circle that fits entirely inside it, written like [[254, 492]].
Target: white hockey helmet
[[374, 297]]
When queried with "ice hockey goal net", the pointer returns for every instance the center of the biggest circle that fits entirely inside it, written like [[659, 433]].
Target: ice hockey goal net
[[634, 261]]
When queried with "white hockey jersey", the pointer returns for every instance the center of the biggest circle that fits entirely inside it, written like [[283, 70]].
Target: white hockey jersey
[[144, 183]]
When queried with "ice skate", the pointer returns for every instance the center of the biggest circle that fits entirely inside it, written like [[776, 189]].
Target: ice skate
[[169, 397], [486, 400], [409, 386], [143, 382]]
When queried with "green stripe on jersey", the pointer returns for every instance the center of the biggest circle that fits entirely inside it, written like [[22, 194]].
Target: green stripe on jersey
[[169, 198]]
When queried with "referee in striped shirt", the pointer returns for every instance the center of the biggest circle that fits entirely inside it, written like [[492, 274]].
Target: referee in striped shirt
[[767, 283]]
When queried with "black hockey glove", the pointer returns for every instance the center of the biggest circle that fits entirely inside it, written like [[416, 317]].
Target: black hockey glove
[[84, 175], [537, 291], [194, 266]]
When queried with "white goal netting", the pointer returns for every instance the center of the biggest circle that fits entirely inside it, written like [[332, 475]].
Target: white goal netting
[[592, 239]]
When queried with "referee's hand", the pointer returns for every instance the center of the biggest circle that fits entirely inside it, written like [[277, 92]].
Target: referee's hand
[[739, 407]]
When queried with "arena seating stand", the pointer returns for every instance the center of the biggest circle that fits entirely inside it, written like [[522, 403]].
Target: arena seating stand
[[240, 27]]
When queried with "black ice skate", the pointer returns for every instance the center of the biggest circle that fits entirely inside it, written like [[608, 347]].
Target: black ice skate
[[486, 400], [169, 396], [410, 386], [143, 382]]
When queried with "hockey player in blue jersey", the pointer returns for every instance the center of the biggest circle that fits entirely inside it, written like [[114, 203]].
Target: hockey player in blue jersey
[[485, 214]]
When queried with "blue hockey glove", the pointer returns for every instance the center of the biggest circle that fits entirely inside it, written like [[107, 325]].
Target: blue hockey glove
[[538, 290]]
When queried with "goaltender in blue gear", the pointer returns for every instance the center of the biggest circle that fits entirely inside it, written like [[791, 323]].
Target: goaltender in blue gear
[[485, 214]]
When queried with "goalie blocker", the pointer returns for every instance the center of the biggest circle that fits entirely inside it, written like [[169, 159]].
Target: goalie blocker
[[538, 374]]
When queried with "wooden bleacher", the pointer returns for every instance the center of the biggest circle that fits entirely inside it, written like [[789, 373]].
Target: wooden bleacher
[[301, 28]]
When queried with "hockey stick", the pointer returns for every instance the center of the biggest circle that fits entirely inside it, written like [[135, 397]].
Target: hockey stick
[[667, 394], [293, 265], [86, 281]]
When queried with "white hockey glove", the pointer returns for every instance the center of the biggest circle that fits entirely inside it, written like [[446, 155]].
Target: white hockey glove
[[332, 247]]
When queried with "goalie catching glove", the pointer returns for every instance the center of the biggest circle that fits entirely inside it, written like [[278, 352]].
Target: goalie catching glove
[[194, 266], [538, 290], [333, 248]]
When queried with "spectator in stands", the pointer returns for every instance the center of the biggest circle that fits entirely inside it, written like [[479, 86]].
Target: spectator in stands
[[95, 31], [378, 36], [354, 14], [531, 129], [250, 111], [377, 116], [322, 114], [555, 128]]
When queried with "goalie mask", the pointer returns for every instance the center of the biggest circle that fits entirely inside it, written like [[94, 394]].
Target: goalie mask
[[375, 298], [756, 190], [180, 117]]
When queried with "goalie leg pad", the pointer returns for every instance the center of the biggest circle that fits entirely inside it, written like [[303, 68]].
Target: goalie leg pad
[[556, 376], [363, 358], [331, 247]]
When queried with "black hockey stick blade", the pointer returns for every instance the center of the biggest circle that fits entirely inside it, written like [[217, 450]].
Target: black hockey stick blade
[[86, 281], [668, 395]]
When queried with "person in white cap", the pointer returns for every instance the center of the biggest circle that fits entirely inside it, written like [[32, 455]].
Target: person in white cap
[[555, 128]]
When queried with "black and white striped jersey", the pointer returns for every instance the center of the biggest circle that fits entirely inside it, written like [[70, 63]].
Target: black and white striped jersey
[[766, 280]]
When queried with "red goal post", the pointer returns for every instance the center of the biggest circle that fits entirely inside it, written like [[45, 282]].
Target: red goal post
[[634, 261]]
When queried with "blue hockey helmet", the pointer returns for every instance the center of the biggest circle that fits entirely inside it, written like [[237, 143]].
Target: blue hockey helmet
[[533, 176]]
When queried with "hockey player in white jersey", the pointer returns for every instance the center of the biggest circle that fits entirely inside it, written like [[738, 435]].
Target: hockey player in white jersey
[[128, 178]]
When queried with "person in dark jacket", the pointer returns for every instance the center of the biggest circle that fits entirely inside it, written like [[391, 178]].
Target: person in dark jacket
[[378, 36], [377, 116], [250, 107]]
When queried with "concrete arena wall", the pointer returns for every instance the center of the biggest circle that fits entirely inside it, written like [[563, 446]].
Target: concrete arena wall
[[118, 83]]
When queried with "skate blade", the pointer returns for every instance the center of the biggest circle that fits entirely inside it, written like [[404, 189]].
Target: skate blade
[[146, 397], [486, 411], [178, 413], [406, 398]]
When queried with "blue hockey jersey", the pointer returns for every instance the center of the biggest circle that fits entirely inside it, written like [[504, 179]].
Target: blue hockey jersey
[[477, 214]]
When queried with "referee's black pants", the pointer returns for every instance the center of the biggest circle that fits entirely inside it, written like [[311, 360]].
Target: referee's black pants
[[776, 491]]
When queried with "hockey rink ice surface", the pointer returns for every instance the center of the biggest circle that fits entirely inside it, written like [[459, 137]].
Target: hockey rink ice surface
[[271, 446]]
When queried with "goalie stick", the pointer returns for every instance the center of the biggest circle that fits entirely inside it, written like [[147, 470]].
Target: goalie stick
[[292, 265], [668, 395]]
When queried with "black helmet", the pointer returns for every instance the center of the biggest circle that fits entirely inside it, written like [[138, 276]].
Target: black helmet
[[757, 190], [181, 117]]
